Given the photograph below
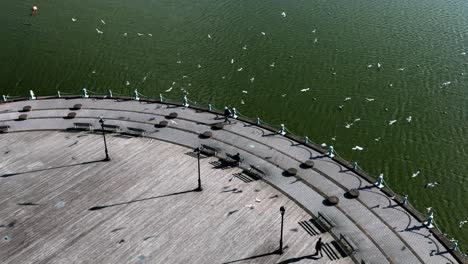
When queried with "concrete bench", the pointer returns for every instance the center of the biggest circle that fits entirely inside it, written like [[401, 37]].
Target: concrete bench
[[324, 221], [207, 150], [347, 245], [4, 129], [111, 128], [136, 131], [82, 126]]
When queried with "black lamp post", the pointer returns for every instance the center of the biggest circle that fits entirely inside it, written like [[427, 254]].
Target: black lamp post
[[282, 210], [199, 188], [104, 136]]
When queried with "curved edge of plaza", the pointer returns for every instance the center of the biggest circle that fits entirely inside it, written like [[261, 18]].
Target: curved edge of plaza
[[62, 201]]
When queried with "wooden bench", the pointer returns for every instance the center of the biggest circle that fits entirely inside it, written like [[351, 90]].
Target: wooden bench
[[208, 151], [230, 160], [347, 245], [4, 129], [82, 126], [254, 172], [324, 221], [136, 131]]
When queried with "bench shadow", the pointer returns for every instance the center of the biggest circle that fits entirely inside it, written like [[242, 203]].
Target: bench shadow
[[58, 167], [254, 257], [99, 207]]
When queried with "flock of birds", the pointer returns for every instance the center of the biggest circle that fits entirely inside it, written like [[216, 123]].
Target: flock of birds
[[378, 66]]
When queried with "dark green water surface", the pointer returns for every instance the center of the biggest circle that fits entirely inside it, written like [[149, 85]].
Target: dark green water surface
[[322, 45]]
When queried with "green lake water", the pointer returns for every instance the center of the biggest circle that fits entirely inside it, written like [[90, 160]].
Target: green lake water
[[330, 47]]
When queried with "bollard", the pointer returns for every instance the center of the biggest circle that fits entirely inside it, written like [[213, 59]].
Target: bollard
[[379, 182], [110, 93], [209, 107], [331, 152], [282, 130], [430, 220], [405, 199], [160, 98], [32, 96], [85, 93], [306, 139], [4, 98], [234, 113], [454, 245], [58, 94], [186, 104], [136, 98], [258, 120]]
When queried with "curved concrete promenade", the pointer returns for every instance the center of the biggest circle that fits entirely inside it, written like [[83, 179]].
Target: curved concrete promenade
[[381, 230]]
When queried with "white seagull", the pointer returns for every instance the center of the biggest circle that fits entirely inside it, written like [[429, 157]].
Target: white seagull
[[150, 34], [305, 90], [244, 47], [415, 174], [391, 122], [240, 69], [168, 90], [140, 34], [347, 99], [283, 14], [432, 184], [252, 79], [462, 223], [99, 31], [127, 83], [358, 148], [272, 64], [102, 21], [263, 33], [370, 99], [244, 91], [315, 40], [209, 36], [73, 19], [408, 119], [124, 34], [313, 31], [232, 61]]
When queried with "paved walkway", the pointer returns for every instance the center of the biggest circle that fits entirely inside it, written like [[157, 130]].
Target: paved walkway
[[382, 230]]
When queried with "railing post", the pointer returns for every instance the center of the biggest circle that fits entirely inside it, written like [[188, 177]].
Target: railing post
[[136, 98], [160, 98], [355, 165], [234, 113], [379, 182], [331, 152], [282, 130], [209, 107], [186, 104], [58, 94], [32, 96], [110, 93], [258, 120], [430, 220], [85, 93], [405, 199], [306, 139]]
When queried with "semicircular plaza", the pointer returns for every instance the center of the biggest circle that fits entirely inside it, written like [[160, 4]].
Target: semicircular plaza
[[63, 202]]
